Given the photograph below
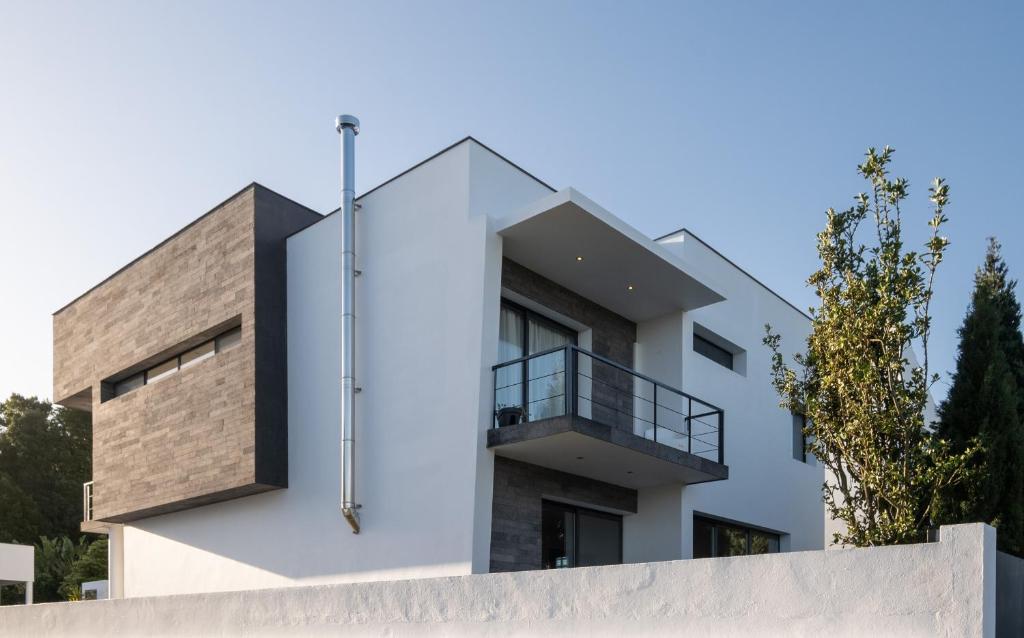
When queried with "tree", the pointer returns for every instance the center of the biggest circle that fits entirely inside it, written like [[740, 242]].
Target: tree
[[862, 397], [45, 456], [985, 403]]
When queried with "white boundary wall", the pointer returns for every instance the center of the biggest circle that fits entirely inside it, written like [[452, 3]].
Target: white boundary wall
[[935, 589]]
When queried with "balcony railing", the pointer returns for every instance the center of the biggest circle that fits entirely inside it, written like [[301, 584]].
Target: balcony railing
[[570, 381], [87, 501]]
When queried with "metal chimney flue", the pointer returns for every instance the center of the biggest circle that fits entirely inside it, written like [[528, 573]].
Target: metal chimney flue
[[348, 127]]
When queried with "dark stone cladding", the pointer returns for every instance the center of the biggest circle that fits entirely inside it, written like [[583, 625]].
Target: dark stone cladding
[[276, 217], [519, 489], [613, 336], [216, 430]]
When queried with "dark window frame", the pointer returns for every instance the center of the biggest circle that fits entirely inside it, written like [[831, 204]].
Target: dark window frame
[[575, 510], [711, 350], [228, 336], [799, 423], [748, 530], [526, 315]]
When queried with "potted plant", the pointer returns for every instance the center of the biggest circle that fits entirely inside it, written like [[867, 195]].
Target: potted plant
[[509, 415]]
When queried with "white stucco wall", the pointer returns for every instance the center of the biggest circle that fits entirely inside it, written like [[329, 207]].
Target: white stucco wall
[[766, 488], [427, 320], [944, 589], [427, 316], [17, 563]]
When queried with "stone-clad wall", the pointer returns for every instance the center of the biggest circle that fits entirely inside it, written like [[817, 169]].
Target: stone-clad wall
[[196, 436], [613, 336], [516, 509]]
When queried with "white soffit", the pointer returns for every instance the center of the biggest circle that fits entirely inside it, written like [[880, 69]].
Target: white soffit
[[549, 235]]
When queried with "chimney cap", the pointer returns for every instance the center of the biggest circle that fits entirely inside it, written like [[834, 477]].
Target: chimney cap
[[347, 121]]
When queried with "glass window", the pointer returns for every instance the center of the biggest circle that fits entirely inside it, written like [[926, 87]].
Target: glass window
[[579, 537], [162, 370], [799, 442], [730, 540], [763, 543], [229, 339], [558, 536], [713, 539], [538, 387], [703, 538], [599, 538], [197, 354], [712, 351], [130, 383]]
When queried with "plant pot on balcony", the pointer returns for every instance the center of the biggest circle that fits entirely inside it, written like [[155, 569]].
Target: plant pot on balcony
[[512, 415]]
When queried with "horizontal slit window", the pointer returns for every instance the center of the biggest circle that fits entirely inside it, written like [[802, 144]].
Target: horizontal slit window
[[224, 341], [197, 354], [162, 370], [712, 351], [229, 339]]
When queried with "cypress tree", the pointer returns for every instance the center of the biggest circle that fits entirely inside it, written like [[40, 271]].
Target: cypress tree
[[986, 403]]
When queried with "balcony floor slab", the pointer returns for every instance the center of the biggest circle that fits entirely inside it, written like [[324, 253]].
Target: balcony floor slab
[[584, 447]]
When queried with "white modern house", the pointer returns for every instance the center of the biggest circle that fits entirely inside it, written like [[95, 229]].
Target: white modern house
[[499, 376]]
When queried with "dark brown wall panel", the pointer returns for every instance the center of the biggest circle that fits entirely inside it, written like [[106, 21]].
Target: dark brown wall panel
[[211, 431]]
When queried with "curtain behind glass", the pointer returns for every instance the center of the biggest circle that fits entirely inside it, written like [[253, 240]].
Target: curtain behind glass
[[546, 373], [509, 379]]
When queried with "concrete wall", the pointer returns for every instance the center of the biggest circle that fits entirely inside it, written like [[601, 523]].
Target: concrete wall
[[17, 563], [944, 589], [1009, 595]]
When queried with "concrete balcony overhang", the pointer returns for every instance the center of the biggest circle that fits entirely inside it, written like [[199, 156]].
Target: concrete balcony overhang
[[580, 446], [621, 269]]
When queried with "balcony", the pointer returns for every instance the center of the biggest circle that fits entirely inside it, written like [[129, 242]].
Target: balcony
[[575, 411], [88, 524]]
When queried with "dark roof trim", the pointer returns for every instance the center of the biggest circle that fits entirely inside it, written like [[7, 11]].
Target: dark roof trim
[[448, 148], [734, 265], [250, 185]]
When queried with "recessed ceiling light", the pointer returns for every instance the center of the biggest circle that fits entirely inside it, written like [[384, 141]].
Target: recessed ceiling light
[[630, 286], [579, 458], [579, 258]]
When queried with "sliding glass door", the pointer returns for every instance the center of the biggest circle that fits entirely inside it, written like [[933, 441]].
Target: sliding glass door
[[538, 387], [579, 537]]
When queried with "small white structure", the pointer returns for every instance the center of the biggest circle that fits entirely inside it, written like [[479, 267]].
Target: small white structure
[[17, 565], [95, 590]]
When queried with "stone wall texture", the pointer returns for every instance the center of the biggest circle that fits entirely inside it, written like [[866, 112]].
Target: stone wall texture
[[613, 337], [945, 589], [214, 430], [519, 489]]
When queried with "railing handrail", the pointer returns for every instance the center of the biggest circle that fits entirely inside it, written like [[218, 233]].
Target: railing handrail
[[607, 361], [87, 501], [530, 356]]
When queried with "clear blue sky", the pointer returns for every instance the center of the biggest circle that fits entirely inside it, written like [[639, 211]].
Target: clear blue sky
[[121, 122]]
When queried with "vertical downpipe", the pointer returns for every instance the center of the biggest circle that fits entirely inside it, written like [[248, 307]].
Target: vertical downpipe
[[348, 127]]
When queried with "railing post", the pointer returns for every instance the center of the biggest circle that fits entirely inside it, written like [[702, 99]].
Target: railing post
[[569, 381], [494, 397], [721, 437], [689, 425], [655, 412]]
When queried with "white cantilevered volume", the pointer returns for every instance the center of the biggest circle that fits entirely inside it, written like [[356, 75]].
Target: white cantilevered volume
[[348, 127]]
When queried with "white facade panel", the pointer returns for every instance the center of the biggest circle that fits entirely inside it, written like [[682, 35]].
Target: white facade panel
[[427, 307]]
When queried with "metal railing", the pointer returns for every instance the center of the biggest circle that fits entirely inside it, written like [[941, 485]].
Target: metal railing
[[87, 501], [569, 380]]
